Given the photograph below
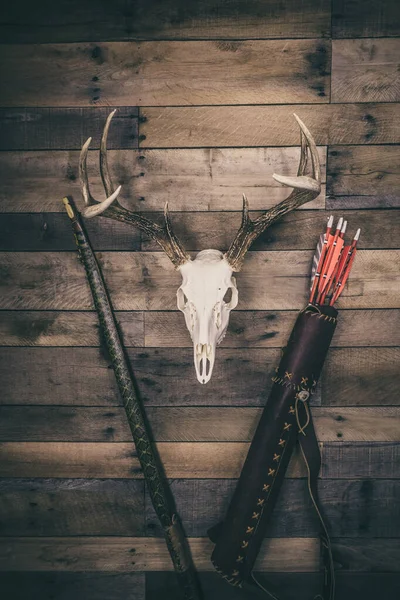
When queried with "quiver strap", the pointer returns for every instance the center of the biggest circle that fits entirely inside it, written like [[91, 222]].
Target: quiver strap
[[285, 419]]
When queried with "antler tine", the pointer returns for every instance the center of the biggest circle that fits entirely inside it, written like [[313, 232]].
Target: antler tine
[[110, 207], [87, 197], [94, 207], [105, 174], [305, 189]]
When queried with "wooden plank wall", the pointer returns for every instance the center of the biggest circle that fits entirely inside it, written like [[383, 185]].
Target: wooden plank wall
[[205, 92]]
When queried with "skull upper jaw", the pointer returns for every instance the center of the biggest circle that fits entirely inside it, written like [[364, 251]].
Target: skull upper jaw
[[204, 358], [207, 295]]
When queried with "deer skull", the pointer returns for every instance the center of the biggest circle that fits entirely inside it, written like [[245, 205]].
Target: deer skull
[[206, 297], [208, 292]]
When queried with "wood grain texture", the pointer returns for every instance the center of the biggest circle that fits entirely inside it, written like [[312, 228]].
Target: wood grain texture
[[94, 20], [357, 508], [365, 70], [243, 126], [217, 82], [83, 377], [61, 507], [365, 18], [297, 230], [215, 178], [247, 329], [119, 460], [36, 181], [165, 73], [362, 460], [360, 376], [196, 231], [73, 586], [114, 586], [147, 281], [65, 129], [52, 231], [50, 328], [363, 177], [189, 179], [185, 460], [198, 180], [186, 424], [136, 554], [293, 586], [150, 554]]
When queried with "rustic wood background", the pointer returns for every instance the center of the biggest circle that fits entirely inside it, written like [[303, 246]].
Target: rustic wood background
[[205, 91]]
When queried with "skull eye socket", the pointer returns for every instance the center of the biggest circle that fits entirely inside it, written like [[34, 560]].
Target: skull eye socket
[[228, 296], [182, 300]]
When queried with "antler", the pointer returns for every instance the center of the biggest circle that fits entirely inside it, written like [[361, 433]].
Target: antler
[[305, 189], [111, 208]]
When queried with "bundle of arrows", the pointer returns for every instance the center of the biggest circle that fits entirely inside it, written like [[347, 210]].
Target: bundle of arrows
[[332, 264]]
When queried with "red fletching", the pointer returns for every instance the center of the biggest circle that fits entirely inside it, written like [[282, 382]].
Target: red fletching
[[319, 257], [334, 261]]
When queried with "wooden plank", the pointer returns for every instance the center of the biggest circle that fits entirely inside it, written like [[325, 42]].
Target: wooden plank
[[365, 18], [363, 177], [247, 329], [77, 21], [127, 554], [82, 377], [260, 329], [215, 178], [296, 231], [186, 424], [72, 375], [35, 181], [71, 507], [361, 376], [190, 179], [292, 586], [65, 129], [365, 70], [35, 232], [197, 230], [119, 460], [148, 281], [360, 460], [78, 586], [244, 126], [66, 21], [113, 586], [60, 328], [165, 73], [184, 460], [355, 508], [43, 231]]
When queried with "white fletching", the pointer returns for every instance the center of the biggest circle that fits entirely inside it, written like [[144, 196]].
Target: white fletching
[[317, 256]]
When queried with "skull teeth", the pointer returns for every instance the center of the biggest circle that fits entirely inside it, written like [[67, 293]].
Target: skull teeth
[[204, 349]]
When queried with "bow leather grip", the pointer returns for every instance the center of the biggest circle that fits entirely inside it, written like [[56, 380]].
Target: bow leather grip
[[238, 538]]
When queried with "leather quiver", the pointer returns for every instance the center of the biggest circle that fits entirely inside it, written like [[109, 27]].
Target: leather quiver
[[238, 538]]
